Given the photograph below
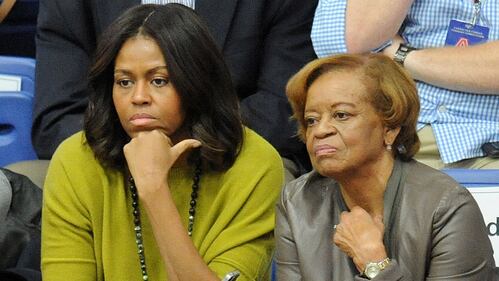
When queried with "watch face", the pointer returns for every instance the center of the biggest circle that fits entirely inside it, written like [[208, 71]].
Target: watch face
[[372, 269]]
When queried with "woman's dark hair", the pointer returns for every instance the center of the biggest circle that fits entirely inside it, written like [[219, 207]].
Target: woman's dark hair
[[196, 69]]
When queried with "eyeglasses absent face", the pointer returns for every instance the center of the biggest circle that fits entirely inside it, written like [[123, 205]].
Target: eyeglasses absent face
[[343, 129], [143, 95]]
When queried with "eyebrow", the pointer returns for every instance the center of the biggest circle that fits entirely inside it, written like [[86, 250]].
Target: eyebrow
[[349, 104], [152, 70]]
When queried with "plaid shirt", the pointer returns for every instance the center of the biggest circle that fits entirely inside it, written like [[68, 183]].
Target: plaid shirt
[[461, 121], [188, 3]]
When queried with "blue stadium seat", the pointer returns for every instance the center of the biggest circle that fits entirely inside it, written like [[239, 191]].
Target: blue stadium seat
[[474, 178], [16, 111]]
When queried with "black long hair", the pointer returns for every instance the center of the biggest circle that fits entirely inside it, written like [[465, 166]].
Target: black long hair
[[196, 69]]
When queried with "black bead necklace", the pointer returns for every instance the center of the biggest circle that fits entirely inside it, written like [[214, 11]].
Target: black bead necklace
[[138, 226]]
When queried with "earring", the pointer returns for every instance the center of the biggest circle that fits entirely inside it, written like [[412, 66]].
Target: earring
[[401, 149], [389, 147]]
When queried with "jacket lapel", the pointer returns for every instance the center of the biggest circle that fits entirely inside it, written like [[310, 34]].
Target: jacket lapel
[[218, 16]]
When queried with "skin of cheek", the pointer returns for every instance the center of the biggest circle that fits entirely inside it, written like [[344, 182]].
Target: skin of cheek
[[358, 144]]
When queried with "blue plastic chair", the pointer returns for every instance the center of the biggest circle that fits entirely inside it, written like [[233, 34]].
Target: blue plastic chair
[[16, 111]]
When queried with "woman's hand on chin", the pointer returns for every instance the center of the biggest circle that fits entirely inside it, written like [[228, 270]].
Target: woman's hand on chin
[[150, 156], [360, 236]]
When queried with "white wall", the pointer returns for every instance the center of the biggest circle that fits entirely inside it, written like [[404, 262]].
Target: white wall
[[488, 200]]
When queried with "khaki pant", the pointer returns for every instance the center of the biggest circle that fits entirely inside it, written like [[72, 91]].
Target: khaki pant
[[429, 155]]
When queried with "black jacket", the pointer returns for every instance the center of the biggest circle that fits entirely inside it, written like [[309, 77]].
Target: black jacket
[[21, 225]]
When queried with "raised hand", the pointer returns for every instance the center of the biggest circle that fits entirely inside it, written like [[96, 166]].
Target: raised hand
[[360, 236], [150, 156]]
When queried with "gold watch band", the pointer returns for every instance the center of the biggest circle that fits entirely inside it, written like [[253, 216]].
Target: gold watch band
[[372, 269]]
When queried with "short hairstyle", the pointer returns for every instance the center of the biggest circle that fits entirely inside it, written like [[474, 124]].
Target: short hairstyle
[[196, 69], [390, 90]]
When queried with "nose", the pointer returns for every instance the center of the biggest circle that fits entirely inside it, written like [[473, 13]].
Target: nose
[[324, 128], [141, 94]]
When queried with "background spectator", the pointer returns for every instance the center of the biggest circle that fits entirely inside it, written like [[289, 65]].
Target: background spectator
[[263, 42], [458, 87]]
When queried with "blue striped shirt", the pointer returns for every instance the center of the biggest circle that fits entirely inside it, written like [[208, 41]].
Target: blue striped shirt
[[461, 121], [188, 3]]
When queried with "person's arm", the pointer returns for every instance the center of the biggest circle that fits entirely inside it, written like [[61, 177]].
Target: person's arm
[[461, 248], [356, 26], [5, 8], [286, 255], [150, 156], [470, 69], [182, 259], [286, 48], [64, 43], [243, 238], [67, 245], [360, 236], [369, 24]]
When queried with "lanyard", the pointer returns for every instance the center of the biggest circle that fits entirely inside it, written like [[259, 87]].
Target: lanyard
[[477, 6]]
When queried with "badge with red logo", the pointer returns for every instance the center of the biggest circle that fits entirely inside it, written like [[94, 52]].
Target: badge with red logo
[[463, 34]]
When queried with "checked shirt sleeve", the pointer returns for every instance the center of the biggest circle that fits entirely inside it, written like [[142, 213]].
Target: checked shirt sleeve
[[328, 29]]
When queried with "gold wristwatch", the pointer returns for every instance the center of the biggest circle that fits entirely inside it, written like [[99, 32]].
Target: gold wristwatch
[[374, 268]]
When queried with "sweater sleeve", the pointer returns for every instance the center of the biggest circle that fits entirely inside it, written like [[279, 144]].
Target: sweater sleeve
[[67, 241], [246, 220]]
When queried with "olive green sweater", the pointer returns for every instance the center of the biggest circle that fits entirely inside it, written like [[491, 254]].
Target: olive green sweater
[[87, 221]]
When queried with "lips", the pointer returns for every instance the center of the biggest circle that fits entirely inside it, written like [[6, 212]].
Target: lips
[[324, 150], [142, 119]]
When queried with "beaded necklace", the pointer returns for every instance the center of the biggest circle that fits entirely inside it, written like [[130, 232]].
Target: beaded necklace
[[138, 225]]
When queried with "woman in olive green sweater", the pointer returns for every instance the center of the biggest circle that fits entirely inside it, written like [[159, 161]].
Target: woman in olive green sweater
[[165, 183]]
